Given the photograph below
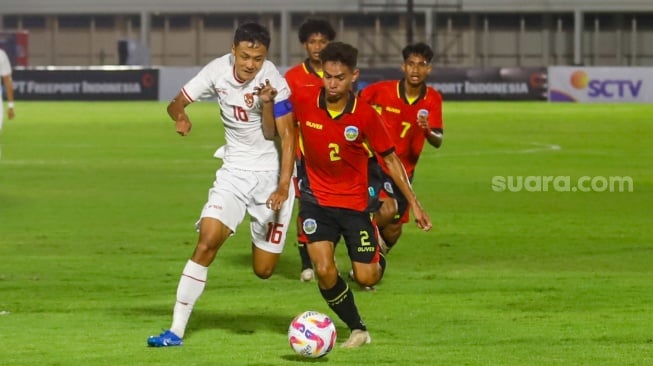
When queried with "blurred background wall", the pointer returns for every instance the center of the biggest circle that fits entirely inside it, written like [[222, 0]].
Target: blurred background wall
[[464, 33]]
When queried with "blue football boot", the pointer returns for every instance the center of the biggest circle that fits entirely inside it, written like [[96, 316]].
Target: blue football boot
[[165, 339]]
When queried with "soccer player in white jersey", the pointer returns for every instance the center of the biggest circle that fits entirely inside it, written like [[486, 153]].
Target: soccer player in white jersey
[[5, 73], [256, 172]]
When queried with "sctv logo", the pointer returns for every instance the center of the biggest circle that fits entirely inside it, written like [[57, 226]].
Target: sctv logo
[[607, 88]]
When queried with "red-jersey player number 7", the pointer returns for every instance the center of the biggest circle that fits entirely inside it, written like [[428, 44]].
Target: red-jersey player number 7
[[404, 130]]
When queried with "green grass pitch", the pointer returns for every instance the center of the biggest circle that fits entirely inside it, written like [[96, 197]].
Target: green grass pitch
[[98, 202]]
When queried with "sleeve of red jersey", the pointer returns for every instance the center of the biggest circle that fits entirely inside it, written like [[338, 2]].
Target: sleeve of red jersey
[[295, 94], [290, 79], [435, 111], [365, 94], [377, 134]]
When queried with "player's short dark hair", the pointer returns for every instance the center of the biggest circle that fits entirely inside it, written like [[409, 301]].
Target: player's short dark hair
[[316, 26], [340, 52], [420, 48], [252, 32]]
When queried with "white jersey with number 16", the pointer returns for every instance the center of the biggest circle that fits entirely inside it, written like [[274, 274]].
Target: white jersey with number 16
[[240, 110]]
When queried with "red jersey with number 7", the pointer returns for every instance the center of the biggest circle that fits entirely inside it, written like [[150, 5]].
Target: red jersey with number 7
[[400, 116], [333, 156]]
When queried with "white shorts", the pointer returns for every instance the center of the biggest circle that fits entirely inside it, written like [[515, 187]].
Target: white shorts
[[236, 191]]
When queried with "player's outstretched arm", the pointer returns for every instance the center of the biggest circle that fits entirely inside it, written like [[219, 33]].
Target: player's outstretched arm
[[266, 93], [176, 111], [285, 125], [9, 90], [398, 175], [433, 136]]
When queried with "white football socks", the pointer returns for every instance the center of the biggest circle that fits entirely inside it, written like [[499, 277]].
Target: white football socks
[[191, 286]]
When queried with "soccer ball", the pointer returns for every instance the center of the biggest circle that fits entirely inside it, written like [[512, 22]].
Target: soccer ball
[[312, 334]]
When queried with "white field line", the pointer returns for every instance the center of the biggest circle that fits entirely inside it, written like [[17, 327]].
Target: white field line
[[82, 162], [534, 148], [6, 161]]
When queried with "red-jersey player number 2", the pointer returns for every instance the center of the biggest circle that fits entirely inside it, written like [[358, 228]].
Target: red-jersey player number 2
[[334, 151]]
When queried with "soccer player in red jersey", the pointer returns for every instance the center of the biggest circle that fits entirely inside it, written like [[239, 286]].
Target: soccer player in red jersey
[[314, 35], [334, 126], [412, 112]]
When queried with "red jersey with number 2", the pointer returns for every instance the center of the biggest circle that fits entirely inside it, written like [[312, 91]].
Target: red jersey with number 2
[[334, 158]]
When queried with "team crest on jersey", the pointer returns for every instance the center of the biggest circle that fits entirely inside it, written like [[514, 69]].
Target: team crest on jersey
[[388, 187], [309, 226], [249, 100], [351, 133]]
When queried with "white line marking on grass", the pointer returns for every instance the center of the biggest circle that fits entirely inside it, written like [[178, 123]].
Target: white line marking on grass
[[536, 147], [111, 162], [33, 162], [539, 147]]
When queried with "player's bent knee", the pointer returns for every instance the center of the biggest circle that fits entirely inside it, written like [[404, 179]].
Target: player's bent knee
[[325, 271], [386, 213], [264, 273], [368, 278], [263, 262], [368, 274], [264, 269]]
